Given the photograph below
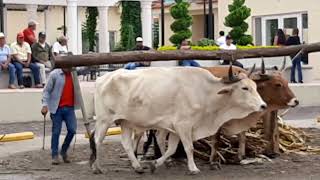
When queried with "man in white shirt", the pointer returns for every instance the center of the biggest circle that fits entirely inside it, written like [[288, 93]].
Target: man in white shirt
[[59, 48], [222, 39], [229, 46]]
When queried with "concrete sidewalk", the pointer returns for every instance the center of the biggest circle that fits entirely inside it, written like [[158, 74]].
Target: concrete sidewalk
[[10, 148]]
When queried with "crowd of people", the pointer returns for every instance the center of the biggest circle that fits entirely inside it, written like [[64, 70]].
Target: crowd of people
[[29, 51]]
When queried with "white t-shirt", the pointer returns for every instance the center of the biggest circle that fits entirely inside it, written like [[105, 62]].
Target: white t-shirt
[[57, 48], [226, 47], [221, 41]]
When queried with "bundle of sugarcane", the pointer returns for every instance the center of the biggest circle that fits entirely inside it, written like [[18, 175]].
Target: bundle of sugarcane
[[292, 140]]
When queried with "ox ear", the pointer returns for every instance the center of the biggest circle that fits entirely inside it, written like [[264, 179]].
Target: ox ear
[[225, 91]]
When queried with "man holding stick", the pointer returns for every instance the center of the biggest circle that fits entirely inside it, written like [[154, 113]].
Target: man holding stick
[[59, 98]]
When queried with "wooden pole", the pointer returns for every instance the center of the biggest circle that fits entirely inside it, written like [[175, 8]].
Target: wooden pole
[[136, 56], [271, 133]]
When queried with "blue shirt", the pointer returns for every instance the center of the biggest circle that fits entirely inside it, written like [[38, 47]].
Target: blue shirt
[[53, 91], [4, 53]]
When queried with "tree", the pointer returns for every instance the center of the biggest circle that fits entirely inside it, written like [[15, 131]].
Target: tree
[[155, 30], [90, 26], [236, 20], [130, 23], [182, 22]]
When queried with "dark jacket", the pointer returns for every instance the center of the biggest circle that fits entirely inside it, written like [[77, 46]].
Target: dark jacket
[[40, 53]]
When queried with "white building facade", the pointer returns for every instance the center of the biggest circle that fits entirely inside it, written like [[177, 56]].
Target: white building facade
[[52, 14]]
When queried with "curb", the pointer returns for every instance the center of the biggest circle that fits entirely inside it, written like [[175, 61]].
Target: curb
[[16, 136], [111, 131]]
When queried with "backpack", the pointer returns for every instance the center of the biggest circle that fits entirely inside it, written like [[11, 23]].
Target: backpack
[[27, 81]]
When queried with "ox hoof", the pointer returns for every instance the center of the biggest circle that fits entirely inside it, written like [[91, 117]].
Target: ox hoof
[[153, 166], [139, 170], [97, 171], [194, 172], [169, 163], [215, 166]]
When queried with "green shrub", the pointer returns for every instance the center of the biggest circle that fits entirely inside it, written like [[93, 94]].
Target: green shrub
[[236, 20], [206, 42], [211, 48], [182, 22]]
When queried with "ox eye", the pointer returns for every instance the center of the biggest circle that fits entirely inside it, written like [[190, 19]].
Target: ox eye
[[279, 85], [245, 89]]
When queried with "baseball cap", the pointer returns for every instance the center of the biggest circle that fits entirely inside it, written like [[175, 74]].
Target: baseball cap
[[139, 39], [20, 35], [228, 37], [42, 34], [2, 35]]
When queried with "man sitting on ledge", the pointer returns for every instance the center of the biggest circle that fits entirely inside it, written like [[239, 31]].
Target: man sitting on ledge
[[139, 47], [21, 53], [5, 61]]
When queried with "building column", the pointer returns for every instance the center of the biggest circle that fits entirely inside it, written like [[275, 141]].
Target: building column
[[104, 45], [146, 18], [79, 32], [5, 21], [72, 26], [46, 21], [32, 11]]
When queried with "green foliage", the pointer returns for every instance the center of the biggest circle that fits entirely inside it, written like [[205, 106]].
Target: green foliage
[[90, 26], [236, 20], [182, 22], [130, 23], [211, 48], [206, 42]]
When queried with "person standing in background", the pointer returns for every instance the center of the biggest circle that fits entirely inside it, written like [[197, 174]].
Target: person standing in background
[[296, 63], [222, 39], [280, 38], [29, 32]]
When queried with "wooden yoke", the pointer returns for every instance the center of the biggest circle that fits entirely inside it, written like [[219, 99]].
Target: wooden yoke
[[136, 56]]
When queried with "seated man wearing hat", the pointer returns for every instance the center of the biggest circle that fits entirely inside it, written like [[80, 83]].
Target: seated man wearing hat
[[5, 61], [41, 55], [229, 46], [139, 47], [21, 56]]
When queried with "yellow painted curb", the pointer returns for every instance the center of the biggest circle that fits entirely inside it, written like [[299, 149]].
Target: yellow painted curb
[[16, 136], [111, 131]]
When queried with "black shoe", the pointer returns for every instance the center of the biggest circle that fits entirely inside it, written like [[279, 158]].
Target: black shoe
[[301, 82], [293, 81], [65, 159]]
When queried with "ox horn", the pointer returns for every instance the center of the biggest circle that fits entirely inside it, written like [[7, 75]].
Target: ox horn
[[252, 70], [231, 77], [283, 67], [263, 67]]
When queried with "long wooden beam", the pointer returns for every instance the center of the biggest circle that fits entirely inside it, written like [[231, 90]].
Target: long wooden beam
[[135, 56]]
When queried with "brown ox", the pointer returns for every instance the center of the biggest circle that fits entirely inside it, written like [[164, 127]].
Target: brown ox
[[273, 89]]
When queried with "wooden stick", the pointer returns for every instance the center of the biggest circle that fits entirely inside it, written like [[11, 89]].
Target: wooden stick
[[136, 56]]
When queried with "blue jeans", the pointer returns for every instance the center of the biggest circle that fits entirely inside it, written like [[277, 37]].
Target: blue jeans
[[67, 115], [34, 69], [131, 66], [12, 73], [190, 63], [296, 64]]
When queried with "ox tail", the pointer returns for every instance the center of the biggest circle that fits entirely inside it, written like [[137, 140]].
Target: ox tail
[[93, 148]]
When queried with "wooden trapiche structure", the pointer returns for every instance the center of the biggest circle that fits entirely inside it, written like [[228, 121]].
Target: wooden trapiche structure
[[270, 122]]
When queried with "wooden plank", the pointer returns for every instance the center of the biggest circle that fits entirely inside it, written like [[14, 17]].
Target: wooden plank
[[136, 56]]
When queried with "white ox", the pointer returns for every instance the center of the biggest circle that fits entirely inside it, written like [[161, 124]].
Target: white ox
[[190, 103]]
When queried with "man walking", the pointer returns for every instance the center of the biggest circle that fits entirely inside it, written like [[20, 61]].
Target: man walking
[[60, 100]]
